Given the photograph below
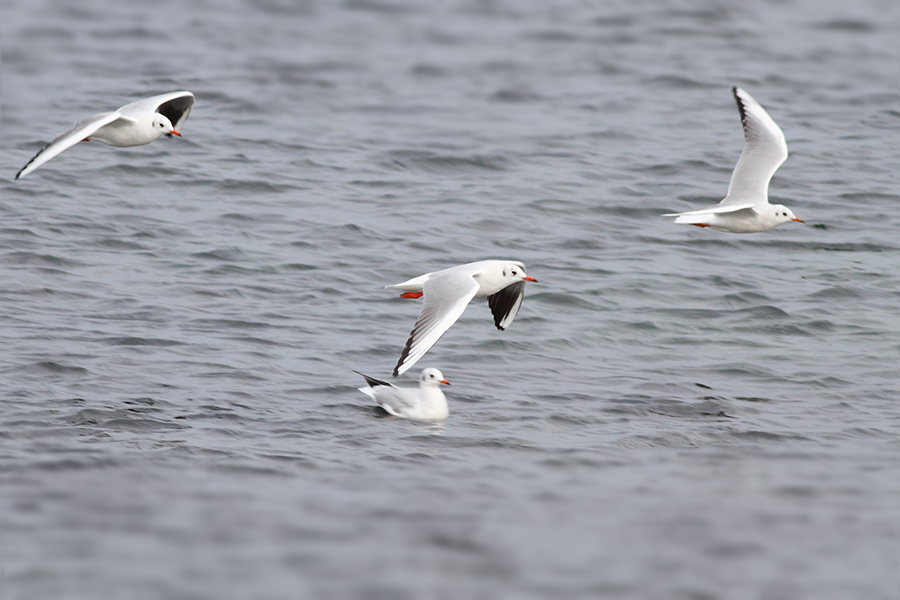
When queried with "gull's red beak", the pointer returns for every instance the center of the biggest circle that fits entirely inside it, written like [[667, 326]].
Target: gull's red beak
[[529, 278], [796, 219], [175, 132], [444, 381]]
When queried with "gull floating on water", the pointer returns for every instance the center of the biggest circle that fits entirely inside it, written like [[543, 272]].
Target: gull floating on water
[[448, 292], [746, 207], [424, 404], [134, 124]]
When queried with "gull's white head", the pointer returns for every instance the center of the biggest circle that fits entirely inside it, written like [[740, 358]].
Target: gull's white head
[[515, 271], [783, 214], [432, 377], [163, 125]]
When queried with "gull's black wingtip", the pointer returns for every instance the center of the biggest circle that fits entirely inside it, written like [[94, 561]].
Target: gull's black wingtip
[[405, 353], [740, 104], [371, 381]]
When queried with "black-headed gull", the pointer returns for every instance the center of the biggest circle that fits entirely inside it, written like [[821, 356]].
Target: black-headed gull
[[134, 124], [448, 292], [746, 207], [424, 404]]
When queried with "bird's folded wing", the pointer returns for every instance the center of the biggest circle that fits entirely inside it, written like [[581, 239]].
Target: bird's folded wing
[[81, 130], [396, 400], [445, 299]]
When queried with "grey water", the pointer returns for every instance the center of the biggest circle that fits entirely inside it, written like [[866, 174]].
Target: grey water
[[674, 413]]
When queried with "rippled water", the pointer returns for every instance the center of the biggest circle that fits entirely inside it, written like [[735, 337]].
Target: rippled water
[[675, 413]]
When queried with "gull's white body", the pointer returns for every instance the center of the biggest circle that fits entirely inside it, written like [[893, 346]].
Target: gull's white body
[[427, 403], [134, 124], [448, 292], [746, 208]]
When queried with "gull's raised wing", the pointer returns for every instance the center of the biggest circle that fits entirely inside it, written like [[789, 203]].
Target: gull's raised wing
[[764, 151]]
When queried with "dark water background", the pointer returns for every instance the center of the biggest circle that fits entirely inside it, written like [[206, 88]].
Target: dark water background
[[675, 413]]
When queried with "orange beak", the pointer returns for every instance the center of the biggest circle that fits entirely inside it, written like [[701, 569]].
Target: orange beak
[[529, 278], [796, 219], [444, 381], [175, 132]]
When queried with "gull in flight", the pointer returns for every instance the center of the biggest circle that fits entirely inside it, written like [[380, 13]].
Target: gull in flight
[[448, 292], [134, 124], [746, 207]]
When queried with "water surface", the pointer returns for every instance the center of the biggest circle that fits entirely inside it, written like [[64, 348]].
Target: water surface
[[675, 412]]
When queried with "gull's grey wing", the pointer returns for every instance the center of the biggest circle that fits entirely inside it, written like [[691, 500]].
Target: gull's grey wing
[[764, 151], [505, 304], [445, 298], [395, 400], [81, 130]]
